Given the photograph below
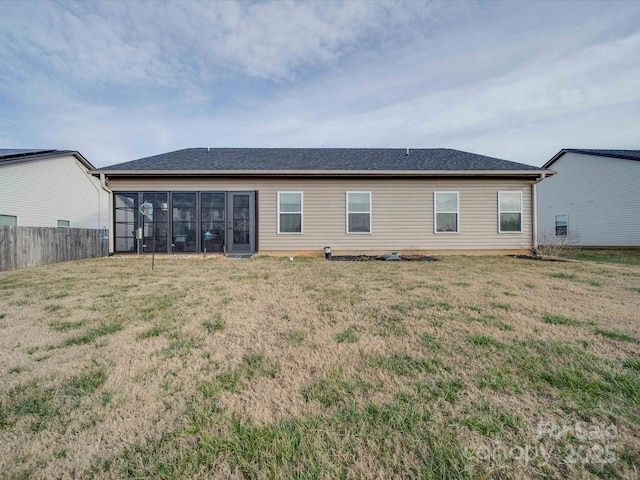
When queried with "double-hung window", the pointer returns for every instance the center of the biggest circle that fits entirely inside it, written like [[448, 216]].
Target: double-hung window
[[562, 225], [358, 212], [510, 212], [289, 212], [446, 212]]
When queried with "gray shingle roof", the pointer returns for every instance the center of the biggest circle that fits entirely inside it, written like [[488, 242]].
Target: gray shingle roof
[[622, 154], [317, 160]]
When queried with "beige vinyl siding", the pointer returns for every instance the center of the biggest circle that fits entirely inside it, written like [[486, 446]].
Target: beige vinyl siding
[[402, 211]]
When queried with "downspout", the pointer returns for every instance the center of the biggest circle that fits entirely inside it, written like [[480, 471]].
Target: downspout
[[534, 202], [103, 184]]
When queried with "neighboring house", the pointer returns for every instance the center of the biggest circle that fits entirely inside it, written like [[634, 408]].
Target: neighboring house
[[593, 200], [50, 188], [298, 201]]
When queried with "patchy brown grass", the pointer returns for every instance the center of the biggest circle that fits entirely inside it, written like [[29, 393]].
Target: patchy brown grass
[[469, 367]]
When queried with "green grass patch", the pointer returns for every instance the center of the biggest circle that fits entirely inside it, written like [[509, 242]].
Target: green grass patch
[[501, 378], [61, 326], [632, 363], [587, 385], [613, 335], [403, 364], [53, 308], [216, 325], [296, 336], [502, 306], [560, 320], [623, 256], [450, 389], [181, 345], [349, 335], [430, 342], [563, 275], [92, 334], [154, 331], [252, 366], [334, 390], [484, 341], [489, 419], [40, 405]]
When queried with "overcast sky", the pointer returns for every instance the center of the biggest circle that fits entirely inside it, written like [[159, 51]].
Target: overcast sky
[[124, 80]]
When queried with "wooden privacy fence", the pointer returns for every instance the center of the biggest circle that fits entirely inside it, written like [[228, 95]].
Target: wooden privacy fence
[[22, 247]]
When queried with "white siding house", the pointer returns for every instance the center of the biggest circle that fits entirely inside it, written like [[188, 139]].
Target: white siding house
[[50, 188], [593, 200]]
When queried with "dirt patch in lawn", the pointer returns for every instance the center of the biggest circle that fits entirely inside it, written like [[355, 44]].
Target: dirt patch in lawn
[[270, 368], [369, 258]]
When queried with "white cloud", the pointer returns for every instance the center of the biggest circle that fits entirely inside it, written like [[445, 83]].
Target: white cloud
[[121, 80]]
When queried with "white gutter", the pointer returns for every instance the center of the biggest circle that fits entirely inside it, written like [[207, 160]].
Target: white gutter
[[316, 173]]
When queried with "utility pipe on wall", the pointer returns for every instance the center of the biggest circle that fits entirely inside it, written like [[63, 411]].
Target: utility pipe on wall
[[534, 210], [103, 184]]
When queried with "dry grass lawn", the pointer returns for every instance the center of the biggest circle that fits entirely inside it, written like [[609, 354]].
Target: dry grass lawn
[[469, 367]]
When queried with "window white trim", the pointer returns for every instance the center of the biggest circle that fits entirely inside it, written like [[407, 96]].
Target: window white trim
[[565, 224], [292, 213], [63, 223], [435, 213], [368, 212], [500, 212]]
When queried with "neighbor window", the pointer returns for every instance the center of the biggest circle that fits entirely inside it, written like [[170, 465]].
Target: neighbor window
[[446, 212], [9, 220], [562, 224], [510, 212], [358, 212], [289, 212], [64, 223]]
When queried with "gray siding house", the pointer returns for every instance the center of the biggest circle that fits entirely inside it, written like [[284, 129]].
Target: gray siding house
[[298, 201], [594, 200], [50, 188]]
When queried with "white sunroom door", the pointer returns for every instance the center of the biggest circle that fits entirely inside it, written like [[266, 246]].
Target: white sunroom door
[[241, 224]]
